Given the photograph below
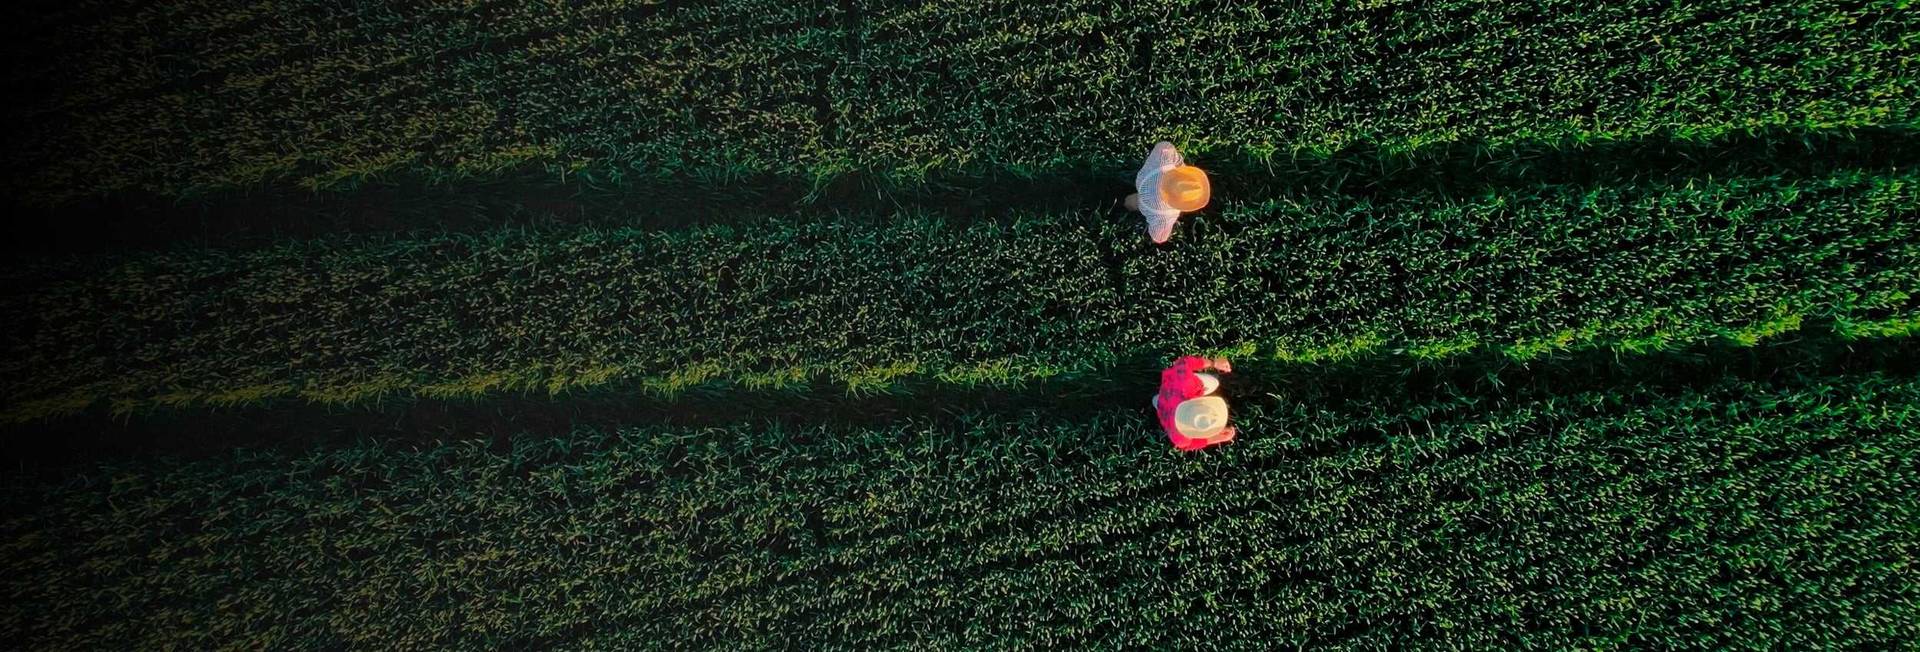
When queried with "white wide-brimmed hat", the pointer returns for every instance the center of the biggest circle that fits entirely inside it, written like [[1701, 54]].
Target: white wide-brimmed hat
[[1202, 417]]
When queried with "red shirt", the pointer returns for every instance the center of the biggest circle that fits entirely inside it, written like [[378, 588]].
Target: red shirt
[[1177, 384]]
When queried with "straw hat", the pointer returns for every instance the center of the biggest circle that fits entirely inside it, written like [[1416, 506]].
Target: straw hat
[[1185, 188], [1202, 417]]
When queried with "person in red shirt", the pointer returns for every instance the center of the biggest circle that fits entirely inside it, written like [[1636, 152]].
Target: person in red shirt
[[1202, 421]]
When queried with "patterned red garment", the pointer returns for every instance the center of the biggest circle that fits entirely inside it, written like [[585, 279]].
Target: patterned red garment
[[1179, 383]]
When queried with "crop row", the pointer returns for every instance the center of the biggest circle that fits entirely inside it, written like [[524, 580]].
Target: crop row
[[216, 94], [1731, 513], [862, 302]]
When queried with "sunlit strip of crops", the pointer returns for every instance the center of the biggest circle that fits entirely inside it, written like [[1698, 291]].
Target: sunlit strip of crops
[[1041, 82]]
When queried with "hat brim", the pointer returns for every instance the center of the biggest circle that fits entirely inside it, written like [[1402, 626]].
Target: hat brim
[[1191, 412]]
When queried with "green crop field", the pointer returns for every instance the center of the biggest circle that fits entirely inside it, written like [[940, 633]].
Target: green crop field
[[186, 97], [640, 324], [1547, 513]]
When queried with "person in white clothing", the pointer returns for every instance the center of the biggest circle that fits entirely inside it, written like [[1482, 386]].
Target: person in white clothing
[[1165, 187]]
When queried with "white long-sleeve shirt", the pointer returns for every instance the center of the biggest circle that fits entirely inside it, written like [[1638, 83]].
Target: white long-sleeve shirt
[[1160, 217]]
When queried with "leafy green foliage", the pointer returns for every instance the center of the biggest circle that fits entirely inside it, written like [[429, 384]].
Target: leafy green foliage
[[1047, 82], [1297, 276], [1720, 513], [1403, 187], [210, 94]]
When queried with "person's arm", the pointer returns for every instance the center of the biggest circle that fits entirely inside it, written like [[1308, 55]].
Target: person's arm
[[1195, 364], [1223, 365], [1164, 157], [1191, 363], [1220, 364]]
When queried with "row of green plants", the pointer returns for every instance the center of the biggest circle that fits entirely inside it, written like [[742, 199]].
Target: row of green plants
[[1683, 510], [863, 302], [1062, 81], [186, 97]]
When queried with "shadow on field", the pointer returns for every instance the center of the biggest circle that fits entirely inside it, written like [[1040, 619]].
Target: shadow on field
[[537, 199], [1367, 381]]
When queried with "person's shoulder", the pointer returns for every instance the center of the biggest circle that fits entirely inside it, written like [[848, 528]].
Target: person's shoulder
[[1166, 155]]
